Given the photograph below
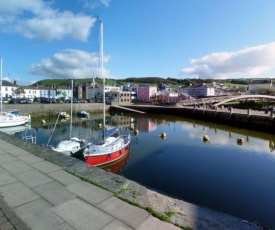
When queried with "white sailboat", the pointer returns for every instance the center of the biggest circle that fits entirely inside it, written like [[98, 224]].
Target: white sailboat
[[73, 144], [10, 118], [114, 145]]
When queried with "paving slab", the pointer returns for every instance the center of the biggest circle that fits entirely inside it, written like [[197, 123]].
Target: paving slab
[[89, 192], [116, 224], [17, 151], [2, 151], [4, 158], [66, 226], [33, 178], [64, 177], [152, 223], [5, 145], [81, 215], [54, 192], [46, 166], [30, 158], [38, 215], [2, 170], [128, 214], [7, 178], [15, 167], [17, 194]]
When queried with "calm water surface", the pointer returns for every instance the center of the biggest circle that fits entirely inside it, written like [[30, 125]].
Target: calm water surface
[[219, 174]]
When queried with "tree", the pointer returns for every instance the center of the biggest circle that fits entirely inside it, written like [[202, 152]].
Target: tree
[[58, 93], [263, 90], [64, 94], [18, 91]]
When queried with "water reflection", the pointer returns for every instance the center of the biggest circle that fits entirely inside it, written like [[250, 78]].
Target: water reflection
[[220, 174], [117, 166]]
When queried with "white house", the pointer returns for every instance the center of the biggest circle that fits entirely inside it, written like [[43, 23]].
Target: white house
[[198, 91], [7, 88], [30, 92]]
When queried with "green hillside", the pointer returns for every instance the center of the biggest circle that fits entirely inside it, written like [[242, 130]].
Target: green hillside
[[172, 82]]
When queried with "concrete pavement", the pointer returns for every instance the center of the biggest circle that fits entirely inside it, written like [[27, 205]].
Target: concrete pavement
[[37, 194]]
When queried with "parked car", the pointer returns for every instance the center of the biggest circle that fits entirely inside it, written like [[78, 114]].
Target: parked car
[[22, 101], [5, 100], [75, 100], [29, 101]]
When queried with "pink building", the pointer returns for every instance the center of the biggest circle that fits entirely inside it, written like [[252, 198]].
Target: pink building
[[146, 92]]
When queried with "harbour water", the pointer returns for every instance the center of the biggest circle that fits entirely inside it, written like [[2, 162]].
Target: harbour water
[[221, 174]]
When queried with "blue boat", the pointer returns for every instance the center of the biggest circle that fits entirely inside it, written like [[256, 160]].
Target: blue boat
[[82, 114]]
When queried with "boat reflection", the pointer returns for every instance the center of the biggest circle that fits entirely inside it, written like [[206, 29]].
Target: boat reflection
[[115, 167]]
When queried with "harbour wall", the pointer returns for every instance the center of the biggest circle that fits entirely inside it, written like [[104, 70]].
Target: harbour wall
[[241, 118], [49, 110]]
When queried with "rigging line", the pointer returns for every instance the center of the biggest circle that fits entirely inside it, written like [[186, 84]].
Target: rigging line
[[54, 128]]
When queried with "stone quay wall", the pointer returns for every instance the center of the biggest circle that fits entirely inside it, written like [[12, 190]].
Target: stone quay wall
[[255, 120], [42, 110]]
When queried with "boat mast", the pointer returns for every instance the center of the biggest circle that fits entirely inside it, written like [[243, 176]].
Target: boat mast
[[1, 84], [71, 125], [101, 75]]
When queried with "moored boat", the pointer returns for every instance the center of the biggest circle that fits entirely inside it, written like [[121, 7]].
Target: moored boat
[[70, 146], [82, 114], [105, 152], [10, 118], [114, 145]]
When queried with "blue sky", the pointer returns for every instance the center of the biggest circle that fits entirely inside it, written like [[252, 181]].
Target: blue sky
[[218, 39]]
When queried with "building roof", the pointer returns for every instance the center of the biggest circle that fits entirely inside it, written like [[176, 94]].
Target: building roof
[[7, 83]]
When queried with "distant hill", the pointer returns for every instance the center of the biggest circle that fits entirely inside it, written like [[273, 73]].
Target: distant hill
[[173, 82]]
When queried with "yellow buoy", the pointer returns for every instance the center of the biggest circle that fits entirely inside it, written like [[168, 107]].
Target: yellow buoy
[[132, 127], [136, 132], [43, 122], [206, 138], [99, 125], [163, 135]]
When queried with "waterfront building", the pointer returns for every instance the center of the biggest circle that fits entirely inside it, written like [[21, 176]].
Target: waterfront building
[[81, 90], [47, 92], [198, 91], [30, 92], [146, 92], [111, 93], [164, 87], [7, 89], [125, 97], [64, 92], [254, 84], [132, 88], [167, 95]]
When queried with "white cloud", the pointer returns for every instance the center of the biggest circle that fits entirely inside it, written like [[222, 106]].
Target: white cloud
[[36, 19], [70, 64], [96, 3], [251, 61]]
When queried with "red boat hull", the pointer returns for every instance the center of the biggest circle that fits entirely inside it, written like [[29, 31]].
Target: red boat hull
[[116, 166], [98, 160]]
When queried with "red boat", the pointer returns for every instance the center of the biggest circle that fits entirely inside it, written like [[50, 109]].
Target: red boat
[[108, 151]]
